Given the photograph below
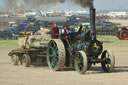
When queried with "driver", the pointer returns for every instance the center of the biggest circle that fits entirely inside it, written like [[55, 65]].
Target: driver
[[85, 33]]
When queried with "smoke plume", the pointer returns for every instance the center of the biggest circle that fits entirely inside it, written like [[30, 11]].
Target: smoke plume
[[10, 4], [82, 3]]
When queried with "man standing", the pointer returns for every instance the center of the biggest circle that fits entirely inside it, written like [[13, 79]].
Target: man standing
[[65, 30], [55, 31]]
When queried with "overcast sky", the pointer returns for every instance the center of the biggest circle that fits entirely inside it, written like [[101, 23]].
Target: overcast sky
[[111, 4], [99, 5]]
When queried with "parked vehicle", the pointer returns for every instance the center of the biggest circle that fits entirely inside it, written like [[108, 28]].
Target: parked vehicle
[[122, 33]]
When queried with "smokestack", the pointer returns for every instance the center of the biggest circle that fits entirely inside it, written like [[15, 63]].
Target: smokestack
[[92, 22]]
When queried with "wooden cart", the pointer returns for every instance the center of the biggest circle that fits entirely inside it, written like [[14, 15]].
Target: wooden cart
[[27, 57]]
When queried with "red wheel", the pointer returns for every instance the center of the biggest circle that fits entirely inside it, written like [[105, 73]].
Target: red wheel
[[124, 35], [118, 34]]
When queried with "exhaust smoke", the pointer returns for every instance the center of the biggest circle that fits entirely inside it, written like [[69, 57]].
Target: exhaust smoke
[[82, 3], [10, 4]]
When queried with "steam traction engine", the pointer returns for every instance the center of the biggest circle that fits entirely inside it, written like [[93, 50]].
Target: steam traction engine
[[122, 33], [80, 50]]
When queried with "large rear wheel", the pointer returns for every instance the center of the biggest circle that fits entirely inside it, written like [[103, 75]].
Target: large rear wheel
[[80, 62], [56, 55], [109, 61]]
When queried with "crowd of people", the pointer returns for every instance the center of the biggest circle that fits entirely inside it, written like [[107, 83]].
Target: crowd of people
[[55, 30]]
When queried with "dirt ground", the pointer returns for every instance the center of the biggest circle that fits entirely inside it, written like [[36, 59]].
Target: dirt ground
[[20, 75]]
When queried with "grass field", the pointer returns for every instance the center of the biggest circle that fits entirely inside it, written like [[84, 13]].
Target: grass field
[[108, 41], [8, 43], [112, 41]]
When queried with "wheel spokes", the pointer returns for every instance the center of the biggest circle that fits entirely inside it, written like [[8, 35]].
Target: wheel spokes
[[79, 62], [54, 62], [109, 62], [107, 58], [124, 35], [108, 66], [53, 54]]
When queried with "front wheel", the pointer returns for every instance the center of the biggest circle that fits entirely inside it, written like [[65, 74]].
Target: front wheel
[[80, 62], [109, 61]]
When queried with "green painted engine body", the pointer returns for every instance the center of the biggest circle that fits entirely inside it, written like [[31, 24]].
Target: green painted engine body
[[81, 41], [80, 46]]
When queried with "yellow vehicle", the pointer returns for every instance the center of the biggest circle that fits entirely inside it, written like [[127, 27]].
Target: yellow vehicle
[[26, 33]]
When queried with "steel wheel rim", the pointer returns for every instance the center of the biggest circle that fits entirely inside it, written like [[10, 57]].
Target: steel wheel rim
[[79, 63], [107, 60], [53, 55]]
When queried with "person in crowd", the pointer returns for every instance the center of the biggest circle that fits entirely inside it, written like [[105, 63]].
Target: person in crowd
[[54, 32], [65, 30]]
